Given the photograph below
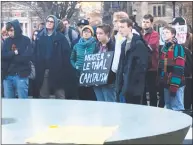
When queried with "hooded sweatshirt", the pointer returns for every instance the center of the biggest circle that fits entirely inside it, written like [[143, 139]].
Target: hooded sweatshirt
[[49, 40], [16, 64]]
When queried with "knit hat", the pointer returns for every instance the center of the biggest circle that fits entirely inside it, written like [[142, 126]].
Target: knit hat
[[88, 27]]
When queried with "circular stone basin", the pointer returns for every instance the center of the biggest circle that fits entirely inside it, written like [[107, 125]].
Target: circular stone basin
[[136, 123]]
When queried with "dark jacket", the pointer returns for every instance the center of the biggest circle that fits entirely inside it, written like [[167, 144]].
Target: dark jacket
[[111, 47], [60, 69], [16, 64], [74, 42], [130, 77]]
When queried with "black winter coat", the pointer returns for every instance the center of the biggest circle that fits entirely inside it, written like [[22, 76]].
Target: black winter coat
[[130, 77], [60, 68]]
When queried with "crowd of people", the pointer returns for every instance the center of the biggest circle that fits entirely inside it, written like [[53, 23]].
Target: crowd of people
[[50, 63]]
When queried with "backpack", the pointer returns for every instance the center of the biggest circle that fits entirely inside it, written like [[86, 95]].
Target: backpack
[[188, 62], [70, 33]]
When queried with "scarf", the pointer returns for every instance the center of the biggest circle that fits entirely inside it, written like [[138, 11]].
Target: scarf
[[83, 43], [172, 56]]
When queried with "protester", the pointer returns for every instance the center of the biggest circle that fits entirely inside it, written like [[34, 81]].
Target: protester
[[86, 45], [34, 37], [81, 24], [188, 55], [152, 39], [105, 44], [69, 33], [133, 63], [136, 28], [53, 68], [94, 19], [60, 27], [118, 39], [188, 88], [32, 84], [4, 35], [171, 70], [160, 86], [41, 26], [16, 54]]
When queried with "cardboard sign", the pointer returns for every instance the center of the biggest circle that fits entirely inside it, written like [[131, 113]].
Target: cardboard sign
[[96, 69], [181, 33], [161, 39]]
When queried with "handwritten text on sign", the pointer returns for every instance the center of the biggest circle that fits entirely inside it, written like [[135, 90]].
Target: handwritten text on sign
[[96, 69], [181, 33]]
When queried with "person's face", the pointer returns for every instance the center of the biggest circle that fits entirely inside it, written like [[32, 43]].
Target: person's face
[[86, 34], [167, 35], [116, 23], [11, 32], [124, 30], [66, 24], [50, 23], [146, 24], [101, 36], [5, 35]]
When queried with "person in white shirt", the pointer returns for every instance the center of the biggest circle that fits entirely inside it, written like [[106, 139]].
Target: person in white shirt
[[117, 16]]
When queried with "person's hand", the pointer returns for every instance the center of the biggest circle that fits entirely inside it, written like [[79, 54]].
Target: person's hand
[[172, 93], [16, 52]]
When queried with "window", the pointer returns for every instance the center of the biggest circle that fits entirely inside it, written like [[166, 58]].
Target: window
[[163, 11], [5, 14], [154, 11], [159, 11], [23, 14], [115, 4]]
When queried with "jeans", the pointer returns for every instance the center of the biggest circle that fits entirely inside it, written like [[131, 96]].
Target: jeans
[[15, 85], [105, 93], [174, 103]]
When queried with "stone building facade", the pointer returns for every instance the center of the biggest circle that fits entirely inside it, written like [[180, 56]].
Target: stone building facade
[[162, 11], [27, 17]]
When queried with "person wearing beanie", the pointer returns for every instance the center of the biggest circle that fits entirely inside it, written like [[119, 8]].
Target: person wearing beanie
[[86, 45], [80, 24], [52, 61]]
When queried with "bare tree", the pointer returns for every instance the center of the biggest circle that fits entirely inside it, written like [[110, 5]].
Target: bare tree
[[183, 9], [64, 9]]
